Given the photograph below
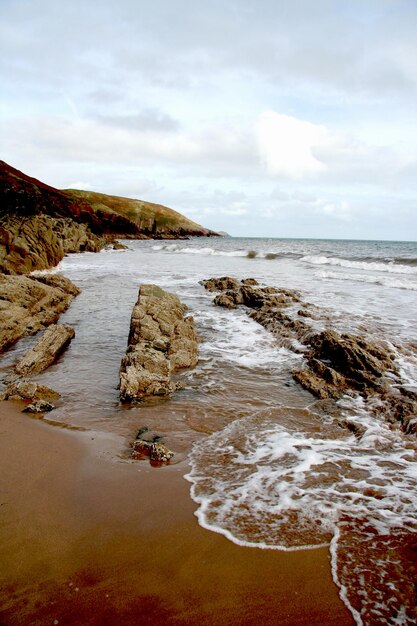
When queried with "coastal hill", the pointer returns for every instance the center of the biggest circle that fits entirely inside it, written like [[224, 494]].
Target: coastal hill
[[40, 224]]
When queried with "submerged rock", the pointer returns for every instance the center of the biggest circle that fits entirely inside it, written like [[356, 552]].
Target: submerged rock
[[161, 342], [39, 407], [46, 350]]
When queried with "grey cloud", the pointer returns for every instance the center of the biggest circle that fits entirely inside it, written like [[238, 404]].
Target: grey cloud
[[343, 46], [146, 120]]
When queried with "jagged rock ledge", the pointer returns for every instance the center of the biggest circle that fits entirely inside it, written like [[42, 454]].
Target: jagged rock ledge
[[161, 341], [31, 303], [334, 364]]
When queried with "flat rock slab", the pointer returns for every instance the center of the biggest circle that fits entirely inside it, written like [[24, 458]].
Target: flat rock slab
[[46, 351], [30, 303], [29, 391], [161, 342]]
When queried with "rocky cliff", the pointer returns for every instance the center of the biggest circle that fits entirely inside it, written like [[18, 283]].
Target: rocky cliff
[[40, 224]]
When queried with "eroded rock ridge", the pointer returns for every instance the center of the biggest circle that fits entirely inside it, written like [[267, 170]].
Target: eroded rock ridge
[[161, 342], [334, 364]]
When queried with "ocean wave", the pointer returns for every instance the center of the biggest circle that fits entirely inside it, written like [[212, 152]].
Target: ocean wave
[[260, 467], [287, 479], [392, 283], [180, 249], [175, 248], [374, 266]]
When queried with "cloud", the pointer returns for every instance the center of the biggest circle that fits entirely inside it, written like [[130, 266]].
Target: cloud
[[286, 145], [215, 149], [295, 149], [145, 120], [288, 117]]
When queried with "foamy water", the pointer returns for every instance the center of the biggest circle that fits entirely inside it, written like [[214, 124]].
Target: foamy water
[[269, 467]]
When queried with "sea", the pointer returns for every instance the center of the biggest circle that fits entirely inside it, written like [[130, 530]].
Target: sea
[[268, 466]]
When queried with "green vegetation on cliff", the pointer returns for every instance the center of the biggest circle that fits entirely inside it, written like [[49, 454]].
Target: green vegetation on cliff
[[148, 218]]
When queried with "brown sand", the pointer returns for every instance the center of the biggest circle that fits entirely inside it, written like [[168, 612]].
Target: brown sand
[[86, 539]]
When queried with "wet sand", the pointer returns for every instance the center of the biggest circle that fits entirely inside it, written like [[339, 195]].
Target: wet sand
[[86, 538]]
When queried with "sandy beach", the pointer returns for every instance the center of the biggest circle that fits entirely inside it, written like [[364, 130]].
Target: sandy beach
[[90, 539]]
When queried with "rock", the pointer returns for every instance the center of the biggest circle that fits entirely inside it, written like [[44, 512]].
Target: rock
[[29, 391], [352, 355], [58, 281], [39, 242], [156, 451], [267, 304], [229, 299], [30, 303], [338, 364], [46, 350], [335, 364], [117, 245], [220, 284], [249, 281], [315, 384], [402, 407], [161, 342], [39, 407]]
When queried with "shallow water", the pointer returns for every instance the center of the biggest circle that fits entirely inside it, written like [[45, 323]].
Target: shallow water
[[268, 467]]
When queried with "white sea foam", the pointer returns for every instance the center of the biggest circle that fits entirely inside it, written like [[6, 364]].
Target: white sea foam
[[383, 281], [285, 478], [181, 249], [374, 266], [265, 467], [235, 338]]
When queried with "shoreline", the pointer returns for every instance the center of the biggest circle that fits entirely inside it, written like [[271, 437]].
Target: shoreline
[[90, 539]]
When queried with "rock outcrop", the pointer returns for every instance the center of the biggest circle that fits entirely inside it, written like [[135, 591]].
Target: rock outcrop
[[46, 350], [29, 304], [339, 362], [39, 242], [29, 391], [334, 364], [161, 342]]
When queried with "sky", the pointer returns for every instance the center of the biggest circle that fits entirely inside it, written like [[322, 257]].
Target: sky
[[276, 118]]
